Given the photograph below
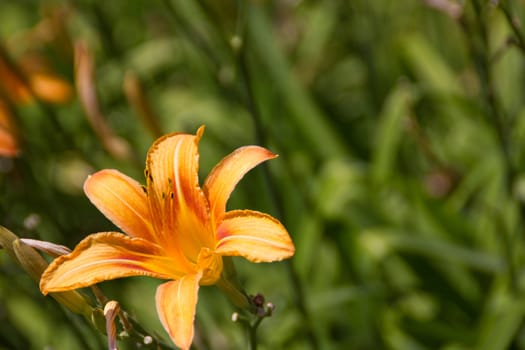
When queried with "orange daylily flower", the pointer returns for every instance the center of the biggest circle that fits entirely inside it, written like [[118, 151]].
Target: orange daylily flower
[[176, 230], [8, 136], [41, 83], [34, 79]]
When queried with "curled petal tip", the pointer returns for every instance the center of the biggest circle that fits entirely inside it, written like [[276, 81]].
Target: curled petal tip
[[200, 130]]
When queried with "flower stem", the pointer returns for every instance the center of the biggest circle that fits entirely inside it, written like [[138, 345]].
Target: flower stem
[[229, 284], [498, 118], [262, 138], [252, 335]]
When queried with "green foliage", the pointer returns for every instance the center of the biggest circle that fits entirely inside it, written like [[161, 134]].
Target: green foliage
[[400, 129]]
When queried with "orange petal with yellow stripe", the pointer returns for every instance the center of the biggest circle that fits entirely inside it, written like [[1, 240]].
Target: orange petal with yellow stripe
[[224, 176], [122, 200], [106, 256], [176, 304], [175, 195], [255, 236]]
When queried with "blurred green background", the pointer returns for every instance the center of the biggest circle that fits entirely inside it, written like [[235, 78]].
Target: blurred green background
[[400, 127]]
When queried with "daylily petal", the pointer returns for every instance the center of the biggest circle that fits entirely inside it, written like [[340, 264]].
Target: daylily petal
[[224, 176], [256, 236], [176, 304], [8, 144], [122, 200], [175, 194], [13, 85], [105, 256], [50, 88], [8, 140]]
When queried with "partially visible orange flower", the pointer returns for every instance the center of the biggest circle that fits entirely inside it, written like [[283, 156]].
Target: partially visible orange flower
[[21, 83], [8, 139], [30, 78], [176, 230]]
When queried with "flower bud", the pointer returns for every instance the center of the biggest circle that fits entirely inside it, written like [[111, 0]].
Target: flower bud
[[34, 265], [6, 242], [111, 310], [55, 250]]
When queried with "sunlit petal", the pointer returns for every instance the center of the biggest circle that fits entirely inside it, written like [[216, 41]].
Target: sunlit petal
[[175, 194], [122, 200], [256, 236], [224, 177], [106, 256], [176, 303]]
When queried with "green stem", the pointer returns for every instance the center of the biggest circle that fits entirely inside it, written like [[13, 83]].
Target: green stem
[[505, 8], [236, 296], [185, 28], [262, 138], [496, 117], [252, 336]]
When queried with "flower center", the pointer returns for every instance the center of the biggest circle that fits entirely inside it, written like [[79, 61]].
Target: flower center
[[211, 266]]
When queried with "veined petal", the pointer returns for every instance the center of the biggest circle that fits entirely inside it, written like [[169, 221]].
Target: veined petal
[[176, 303], [122, 200], [105, 256], [256, 236], [224, 176], [175, 194]]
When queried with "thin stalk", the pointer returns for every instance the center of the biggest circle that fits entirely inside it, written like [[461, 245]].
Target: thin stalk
[[262, 138], [252, 336], [191, 33], [496, 117], [520, 38]]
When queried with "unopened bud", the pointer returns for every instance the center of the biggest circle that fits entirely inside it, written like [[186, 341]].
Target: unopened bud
[[34, 265], [270, 307], [6, 242], [258, 300], [111, 310], [29, 259], [260, 312], [55, 250]]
